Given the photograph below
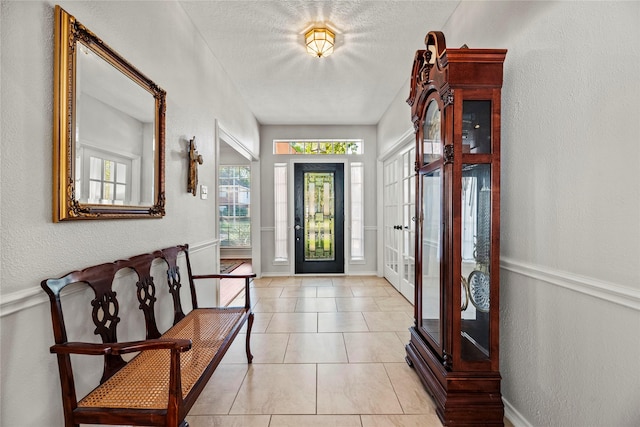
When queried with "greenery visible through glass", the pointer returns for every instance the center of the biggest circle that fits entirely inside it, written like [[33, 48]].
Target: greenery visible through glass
[[319, 211], [234, 206], [321, 147]]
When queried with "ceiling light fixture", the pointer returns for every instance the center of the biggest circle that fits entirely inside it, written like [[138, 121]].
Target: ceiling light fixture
[[319, 42]]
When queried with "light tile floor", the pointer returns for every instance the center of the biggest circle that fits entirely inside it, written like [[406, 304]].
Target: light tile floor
[[327, 352]]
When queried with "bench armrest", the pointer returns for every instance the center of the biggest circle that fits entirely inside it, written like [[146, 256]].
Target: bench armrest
[[224, 276], [158, 344], [246, 277], [120, 348]]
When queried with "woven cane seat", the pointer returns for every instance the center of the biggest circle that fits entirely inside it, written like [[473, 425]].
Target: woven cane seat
[[144, 382]]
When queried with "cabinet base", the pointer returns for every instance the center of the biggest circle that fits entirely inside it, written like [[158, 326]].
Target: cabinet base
[[462, 398]]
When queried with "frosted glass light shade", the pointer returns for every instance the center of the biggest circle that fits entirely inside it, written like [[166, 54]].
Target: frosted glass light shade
[[319, 42]]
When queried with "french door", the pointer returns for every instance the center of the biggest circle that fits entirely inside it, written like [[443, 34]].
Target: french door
[[399, 221], [319, 217], [391, 197]]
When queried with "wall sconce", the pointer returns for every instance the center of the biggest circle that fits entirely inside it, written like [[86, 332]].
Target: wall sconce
[[194, 160], [320, 42]]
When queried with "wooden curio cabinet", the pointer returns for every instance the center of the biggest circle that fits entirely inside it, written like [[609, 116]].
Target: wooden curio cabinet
[[454, 347]]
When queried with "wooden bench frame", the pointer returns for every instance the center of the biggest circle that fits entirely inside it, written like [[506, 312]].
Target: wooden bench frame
[[174, 343]]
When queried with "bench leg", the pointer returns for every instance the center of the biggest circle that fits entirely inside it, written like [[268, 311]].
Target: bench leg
[[248, 346]]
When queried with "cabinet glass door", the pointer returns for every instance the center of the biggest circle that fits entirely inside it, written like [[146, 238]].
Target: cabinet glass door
[[431, 134], [476, 126], [476, 256], [432, 241]]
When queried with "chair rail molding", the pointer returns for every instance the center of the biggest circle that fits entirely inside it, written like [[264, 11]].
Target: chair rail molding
[[611, 292], [33, 296]]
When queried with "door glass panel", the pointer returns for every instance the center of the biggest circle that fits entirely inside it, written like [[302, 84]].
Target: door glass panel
[[391, 221], [476, 127], [319, 237], [431, 253], [476, 256]]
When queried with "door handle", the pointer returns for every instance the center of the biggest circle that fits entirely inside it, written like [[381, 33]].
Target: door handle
[[297, 227]]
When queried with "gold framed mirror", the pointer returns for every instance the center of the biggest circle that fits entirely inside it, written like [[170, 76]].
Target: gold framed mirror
[[108, 131]]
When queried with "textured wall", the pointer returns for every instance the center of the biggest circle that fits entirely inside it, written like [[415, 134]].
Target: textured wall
[[570, 235], [396, 121], [571, 222], [159, 40]]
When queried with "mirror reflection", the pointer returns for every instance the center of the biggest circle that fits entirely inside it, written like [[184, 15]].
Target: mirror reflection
[[114, 135], [108, 131]]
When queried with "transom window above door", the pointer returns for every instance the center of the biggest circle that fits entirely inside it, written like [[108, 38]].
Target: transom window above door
[[317, 146]]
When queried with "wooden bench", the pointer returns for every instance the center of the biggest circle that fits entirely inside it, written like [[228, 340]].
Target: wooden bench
[[159, 385]]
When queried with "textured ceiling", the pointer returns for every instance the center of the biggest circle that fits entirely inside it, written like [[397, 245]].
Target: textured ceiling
[[260, 45]]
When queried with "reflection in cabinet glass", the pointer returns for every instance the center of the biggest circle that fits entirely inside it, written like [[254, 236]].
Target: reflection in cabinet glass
[[431, 254], [432, 147], [476, 251], [476, 127], [454, 346]]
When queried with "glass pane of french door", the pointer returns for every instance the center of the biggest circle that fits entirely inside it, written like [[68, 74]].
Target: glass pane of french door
[[391, 221], [407, 280]]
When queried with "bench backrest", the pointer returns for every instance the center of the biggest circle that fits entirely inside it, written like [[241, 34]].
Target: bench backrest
[[105, 305]]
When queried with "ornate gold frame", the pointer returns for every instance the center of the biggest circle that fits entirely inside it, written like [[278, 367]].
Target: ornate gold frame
[[67, 32]]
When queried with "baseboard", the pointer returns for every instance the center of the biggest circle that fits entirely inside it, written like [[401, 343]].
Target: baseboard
[[351, 274], [515, 417]]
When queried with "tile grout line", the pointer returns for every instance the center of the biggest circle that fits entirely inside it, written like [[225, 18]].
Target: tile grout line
[[384, 366], [317, 388]]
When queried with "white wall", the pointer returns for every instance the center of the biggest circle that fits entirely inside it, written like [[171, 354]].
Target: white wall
[[158, 39], [396, 123], [570, 294], [267, 160]]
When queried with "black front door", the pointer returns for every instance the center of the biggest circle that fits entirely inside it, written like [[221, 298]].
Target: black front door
[[319, 217]]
